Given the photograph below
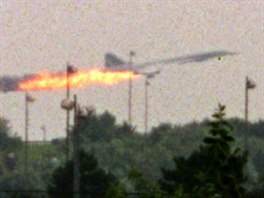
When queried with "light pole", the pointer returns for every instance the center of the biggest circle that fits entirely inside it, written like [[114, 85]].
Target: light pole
[[78, 114], [131, 54], [148, 76], [69, 70], [43, 128], [248, 85], [76, 152], [28, 99], [146, 104]]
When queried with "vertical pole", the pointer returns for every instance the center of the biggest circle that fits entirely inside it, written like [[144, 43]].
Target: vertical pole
[[44, 133], [246, 114], [146, 105], [130, 91], [67, 113], [76, 147], [26, 133]]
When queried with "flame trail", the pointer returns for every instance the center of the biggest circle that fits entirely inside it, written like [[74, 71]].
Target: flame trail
[[49, 81]]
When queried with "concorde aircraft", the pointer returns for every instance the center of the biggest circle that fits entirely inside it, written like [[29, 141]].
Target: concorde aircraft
[[113, 63]]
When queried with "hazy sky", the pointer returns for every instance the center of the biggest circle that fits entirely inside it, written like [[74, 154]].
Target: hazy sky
[[43, 35]]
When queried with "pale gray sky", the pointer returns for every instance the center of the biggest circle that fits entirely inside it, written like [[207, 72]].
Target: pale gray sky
[[43, 35]]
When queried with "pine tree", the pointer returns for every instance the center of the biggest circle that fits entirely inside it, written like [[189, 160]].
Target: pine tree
[[215, 169]]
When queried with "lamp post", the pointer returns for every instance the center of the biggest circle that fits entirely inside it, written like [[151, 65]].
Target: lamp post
[[148, 76], [68, 105], [248, 85], [131, 54], [69, 70], [146, 104], [76, 152], [28, 99], [43, 128], [78, 114]]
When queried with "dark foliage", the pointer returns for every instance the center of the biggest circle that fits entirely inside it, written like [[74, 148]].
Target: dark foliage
[[7, 142], [94, 181], [257, 192], [256, 129], [186, 169], [213, 169]]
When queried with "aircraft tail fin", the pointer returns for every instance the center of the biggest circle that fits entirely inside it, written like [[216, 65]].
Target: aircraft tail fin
[[111, 60]]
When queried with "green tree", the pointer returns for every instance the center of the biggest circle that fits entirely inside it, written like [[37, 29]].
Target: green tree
[[215, 169], [94, 181], [98, 128], [142, 187], [258, 192], [7, 142], [9, 148], [20, 183]]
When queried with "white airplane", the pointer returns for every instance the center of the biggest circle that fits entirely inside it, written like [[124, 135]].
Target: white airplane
[[112, 62]]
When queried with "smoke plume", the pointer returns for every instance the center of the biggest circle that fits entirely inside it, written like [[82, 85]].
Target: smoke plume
[[10, 83]]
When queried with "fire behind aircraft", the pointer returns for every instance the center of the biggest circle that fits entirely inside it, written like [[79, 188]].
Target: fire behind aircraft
[[58, 81]]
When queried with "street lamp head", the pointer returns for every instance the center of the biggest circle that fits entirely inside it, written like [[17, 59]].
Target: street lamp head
[[43, 127], [150, 75], [84, 111], [71, 69], [250, 84], [147, 82], [132, 53], [67, 104], [90, 109], [29, 98]]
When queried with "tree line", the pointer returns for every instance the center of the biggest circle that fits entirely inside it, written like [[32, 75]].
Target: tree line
[[204, 159]]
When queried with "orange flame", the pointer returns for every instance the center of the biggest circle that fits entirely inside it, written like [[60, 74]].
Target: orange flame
[[48, 81]]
